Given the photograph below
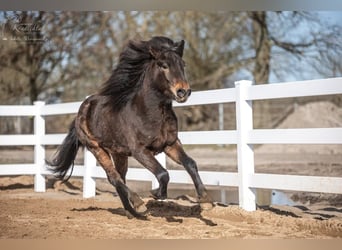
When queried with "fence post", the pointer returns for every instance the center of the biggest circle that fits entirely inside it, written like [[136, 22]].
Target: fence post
[[221, 116], [245, 153], [89, 183], [39, 149]]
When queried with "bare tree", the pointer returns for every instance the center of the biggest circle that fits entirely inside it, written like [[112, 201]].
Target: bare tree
[[296, 38], [77, 50], [46, 50]]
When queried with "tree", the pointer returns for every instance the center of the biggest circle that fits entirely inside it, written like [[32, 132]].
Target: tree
[[296, 39], [283, 43], [77, 50], [24, 57], [44, 51]]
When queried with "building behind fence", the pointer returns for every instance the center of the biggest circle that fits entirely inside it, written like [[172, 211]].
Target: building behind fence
[[244, 136]]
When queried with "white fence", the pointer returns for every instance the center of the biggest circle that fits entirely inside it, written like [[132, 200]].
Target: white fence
[[244, 137]]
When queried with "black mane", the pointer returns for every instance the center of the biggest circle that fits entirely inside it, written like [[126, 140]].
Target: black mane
[[128, 75]]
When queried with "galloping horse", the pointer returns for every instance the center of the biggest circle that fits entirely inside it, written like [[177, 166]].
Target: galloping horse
[[132, 115]]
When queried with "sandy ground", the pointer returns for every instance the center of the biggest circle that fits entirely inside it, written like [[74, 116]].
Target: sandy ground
[[62, 213]]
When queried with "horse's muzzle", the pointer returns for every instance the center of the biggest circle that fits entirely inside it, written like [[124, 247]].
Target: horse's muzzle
[[181, 91], [182, 95]]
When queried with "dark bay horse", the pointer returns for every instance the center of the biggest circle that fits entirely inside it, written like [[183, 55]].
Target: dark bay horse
[[132, 115]]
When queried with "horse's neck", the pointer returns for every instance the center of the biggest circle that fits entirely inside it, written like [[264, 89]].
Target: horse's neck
[[151, 103]]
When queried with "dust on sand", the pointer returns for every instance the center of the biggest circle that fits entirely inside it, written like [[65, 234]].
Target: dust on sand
[[62, 213]]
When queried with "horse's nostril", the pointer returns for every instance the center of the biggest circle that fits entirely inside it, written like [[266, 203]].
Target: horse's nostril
[[181, 93], [189, 92]]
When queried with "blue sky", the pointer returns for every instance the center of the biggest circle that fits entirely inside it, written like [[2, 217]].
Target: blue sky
[[333, 17]]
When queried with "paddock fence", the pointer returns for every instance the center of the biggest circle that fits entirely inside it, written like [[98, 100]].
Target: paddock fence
[[244, 137]]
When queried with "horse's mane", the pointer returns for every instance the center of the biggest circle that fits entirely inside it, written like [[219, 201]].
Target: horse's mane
[[128, 75]]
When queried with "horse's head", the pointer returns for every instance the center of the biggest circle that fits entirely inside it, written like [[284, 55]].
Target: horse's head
[[168, 67]]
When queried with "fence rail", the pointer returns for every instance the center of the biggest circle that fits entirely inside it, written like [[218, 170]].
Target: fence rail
[[244, 137]]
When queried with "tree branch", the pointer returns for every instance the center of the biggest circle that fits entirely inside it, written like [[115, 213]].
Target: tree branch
[[295, 48], [222, 72]]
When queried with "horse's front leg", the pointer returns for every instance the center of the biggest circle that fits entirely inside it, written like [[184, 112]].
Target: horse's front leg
[[177, 153], [147, 159]]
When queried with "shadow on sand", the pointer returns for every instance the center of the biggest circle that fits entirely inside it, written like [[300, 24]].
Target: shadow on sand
[[170, 210]]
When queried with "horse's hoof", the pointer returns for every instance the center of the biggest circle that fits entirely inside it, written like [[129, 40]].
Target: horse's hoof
[[206, 202], [206, 206], [155, 194], [141, 209], [129, 215], [139, 214]]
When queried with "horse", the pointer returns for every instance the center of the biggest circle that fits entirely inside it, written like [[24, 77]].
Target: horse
[[131, 115]]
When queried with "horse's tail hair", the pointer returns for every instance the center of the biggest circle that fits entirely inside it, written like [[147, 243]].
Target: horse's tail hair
[[65, 155]]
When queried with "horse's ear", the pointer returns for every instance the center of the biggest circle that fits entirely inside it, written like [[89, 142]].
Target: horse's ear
[[154, 53], [179, 48]]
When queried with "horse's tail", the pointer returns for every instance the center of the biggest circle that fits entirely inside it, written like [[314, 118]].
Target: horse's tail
[[65, 155]]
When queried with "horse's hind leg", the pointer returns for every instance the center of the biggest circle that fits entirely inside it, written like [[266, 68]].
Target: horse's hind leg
[[176, 153], [121, 165], [130, 200]]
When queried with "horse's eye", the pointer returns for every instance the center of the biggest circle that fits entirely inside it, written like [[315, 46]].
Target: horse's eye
[[163, 66]]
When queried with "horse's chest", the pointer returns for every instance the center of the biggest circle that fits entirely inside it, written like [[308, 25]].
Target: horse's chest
[[162, 135]]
